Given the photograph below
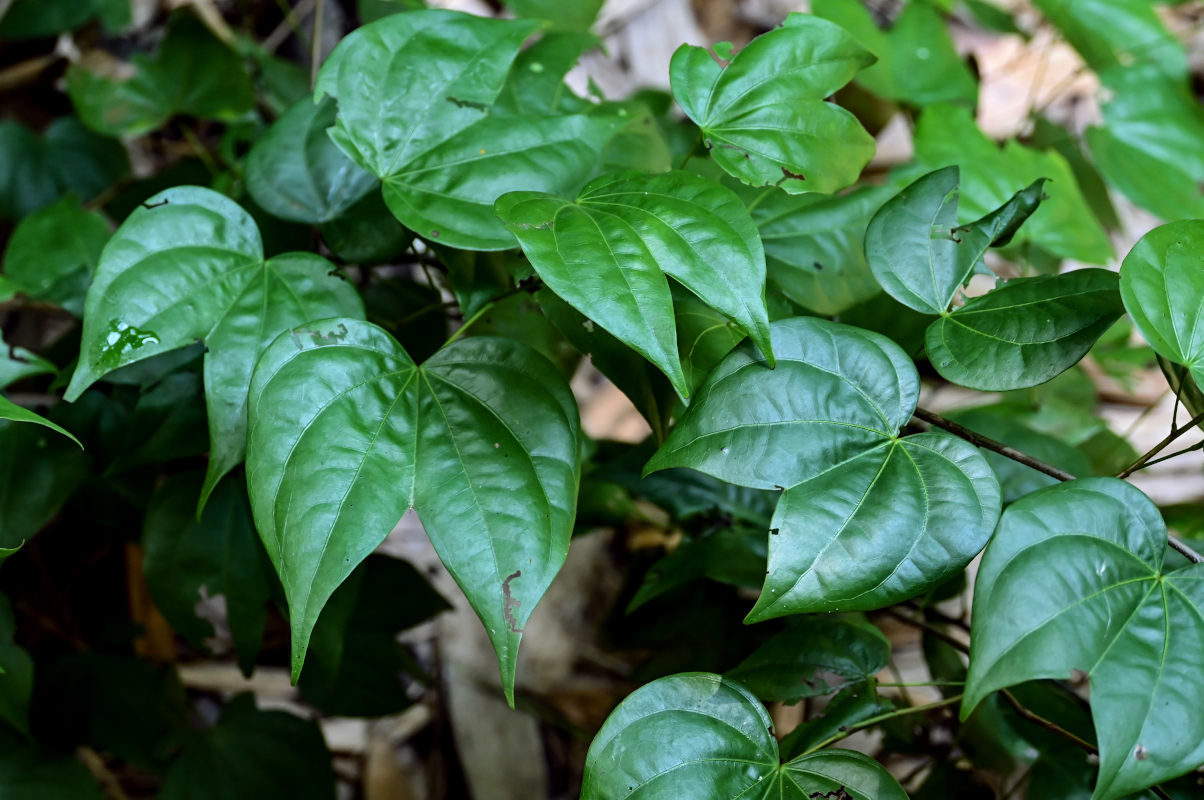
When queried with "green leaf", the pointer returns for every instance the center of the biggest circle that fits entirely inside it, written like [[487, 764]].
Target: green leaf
[[16, 674], [1146, 146], [1073, 579], [700, 735], [1006, 424], [848, 707], [1162, 285], [295, 172], [35, 488], [536, 82], [29, 772], [735, 556], [575, 16], [1026, 331], [1064, 225], [366, 233], [347, 433], [421, 123], [917, 61], [645, 386], [12, 411], [35, 171], [608, 255], [53, 251], [763, 114], [17, 363], [865, 519], [31, 19], [791, 665], [356, 662], [188, 265], [187, 559], [1108, 33], [251, 754], [814, 247], [191, 73], [921, 255], [704, 337]]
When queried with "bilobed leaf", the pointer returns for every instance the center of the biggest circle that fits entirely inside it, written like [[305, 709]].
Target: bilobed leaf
[[700, 735], [763, 115], [188, 559], [790, 666], [814, 245], [866, 519], [11, 411], [53, 251], [295, 172], [251, 754], [347, 433], [1026, 331], [191, 72], [1145, 147], [188, 265], [1064, 225], [1074, 579], [921, 255], [917, 61], [1162, 284], [421, 123], [608, 255]]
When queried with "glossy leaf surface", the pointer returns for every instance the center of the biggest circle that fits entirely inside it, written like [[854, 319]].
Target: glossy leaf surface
[[295, 172], [700, 735], [1073, 579], [188, 265], [347, 433], [1162, 283], [865, 519], [792, 664], [608, 255], [763, 113], [990, 175], [421, 124], [11, 411], [918, 251], [1026, 331]]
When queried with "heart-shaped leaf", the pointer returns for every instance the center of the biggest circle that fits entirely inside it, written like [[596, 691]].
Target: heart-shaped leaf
[[917, 250], [1025, 332], [420, 122], [1073, 579], [1162, 284], [608, 255], [763, 114], [699, 735], [790, 666], [347, 433], [295, 172], [866, 519], [188, 265], [53, 251]]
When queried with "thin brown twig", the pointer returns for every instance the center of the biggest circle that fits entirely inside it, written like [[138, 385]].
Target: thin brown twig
[[952, 641], [1023, 458]]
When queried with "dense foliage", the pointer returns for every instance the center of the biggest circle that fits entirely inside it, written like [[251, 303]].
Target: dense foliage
[[371, 298]]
